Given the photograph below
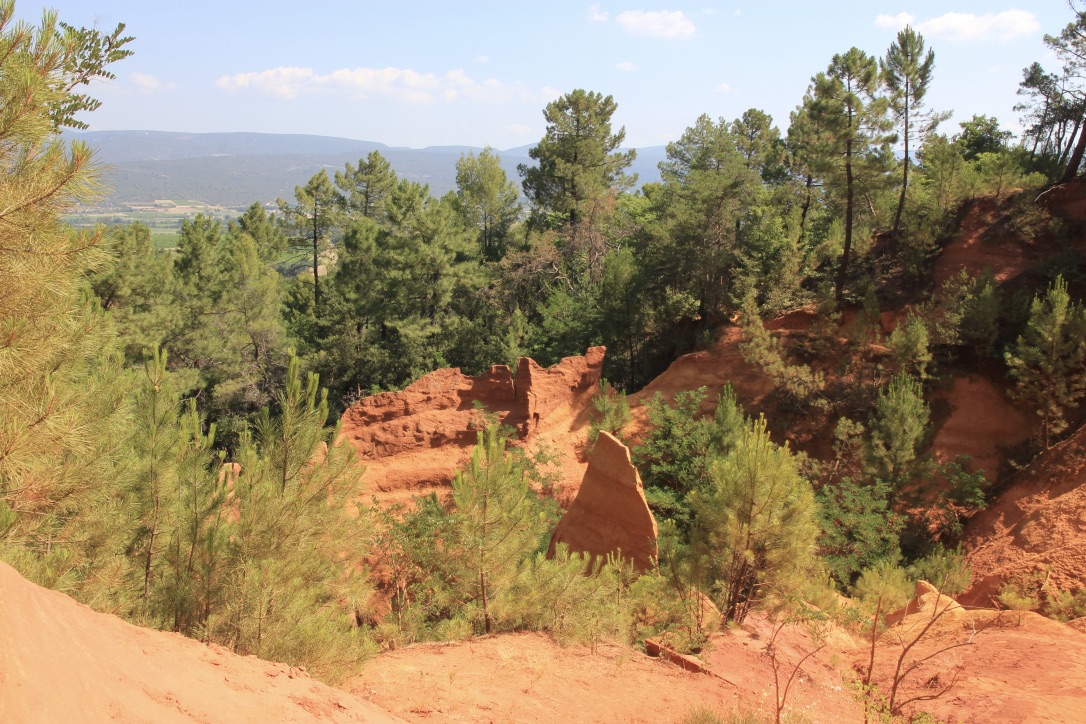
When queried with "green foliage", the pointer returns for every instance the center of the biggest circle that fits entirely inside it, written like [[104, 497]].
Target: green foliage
[[423, 559], [906, 71], [1017, 600], [578, 157], [852, 151], [884, 582], [981, 134], [62, 406], [488, 200], [499, 518], [754, 523], [762, 349], [365, 187], [898, 425], [569, 597], [946, 569], [909, 347], [287, 567], [1065, 605], [310, 222], [858, 527], [612, 412], [1048, 361]]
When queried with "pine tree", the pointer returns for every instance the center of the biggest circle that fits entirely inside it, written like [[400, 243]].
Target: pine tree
[[290, 582], [500, 520], [365, 187], [754, 525], [61, 399], [854, 141], [310, 222], [898, 426], [487, 199], [907, 72], [1048, 360], [578, 157]]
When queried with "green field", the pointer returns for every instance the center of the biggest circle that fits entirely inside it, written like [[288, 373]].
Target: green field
[[163, 219]]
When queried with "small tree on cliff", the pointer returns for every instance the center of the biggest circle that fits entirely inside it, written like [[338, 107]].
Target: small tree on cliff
[[500, 519], [1049, 359]]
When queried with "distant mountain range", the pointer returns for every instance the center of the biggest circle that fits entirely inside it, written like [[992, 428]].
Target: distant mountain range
[[236, 169]]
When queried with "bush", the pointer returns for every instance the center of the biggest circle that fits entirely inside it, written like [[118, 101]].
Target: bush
[[612, 413]]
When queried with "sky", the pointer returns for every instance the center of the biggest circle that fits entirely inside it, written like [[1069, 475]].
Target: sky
[[446, 72]]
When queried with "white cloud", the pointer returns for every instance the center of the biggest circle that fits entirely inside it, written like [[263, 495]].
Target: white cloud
[[482, 59], [149, 83], [894, 22], [657, 24], [398, 84], [627, 66], [990, 26], [519, 129], [724, 88], [595, 15], [738, 13]]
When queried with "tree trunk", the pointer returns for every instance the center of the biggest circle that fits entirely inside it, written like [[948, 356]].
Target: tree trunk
[[905, 172], [316, 277], [842, 272], [1076, 157]]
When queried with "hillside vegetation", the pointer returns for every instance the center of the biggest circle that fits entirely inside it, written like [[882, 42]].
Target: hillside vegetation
[[168, 450]]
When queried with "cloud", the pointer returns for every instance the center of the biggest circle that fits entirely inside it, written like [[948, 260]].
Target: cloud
[[657, 24], [894, 22], [519, 129], [595, 15], [482, 59], [149, 83], [724, 88], [1002, 26], [627, 66], [397, 84]]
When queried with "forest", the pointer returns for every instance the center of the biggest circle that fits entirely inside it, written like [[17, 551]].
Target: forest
[[168, 441]]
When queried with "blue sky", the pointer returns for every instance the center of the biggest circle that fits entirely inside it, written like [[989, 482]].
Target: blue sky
[[473, 73]]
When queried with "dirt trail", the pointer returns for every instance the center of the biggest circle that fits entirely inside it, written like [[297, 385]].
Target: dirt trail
[[60, 661]]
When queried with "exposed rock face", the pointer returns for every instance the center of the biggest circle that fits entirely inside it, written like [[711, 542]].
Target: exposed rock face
[[413, 441], [980, 423], [610, 514]]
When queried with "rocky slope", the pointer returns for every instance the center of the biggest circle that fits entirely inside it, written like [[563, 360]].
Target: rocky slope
[[1035, 531]]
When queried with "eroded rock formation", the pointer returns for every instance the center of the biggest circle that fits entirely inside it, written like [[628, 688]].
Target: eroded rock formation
[[413, 441], [609, 514]]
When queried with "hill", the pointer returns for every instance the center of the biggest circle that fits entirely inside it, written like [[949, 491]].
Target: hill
[[235, 169]]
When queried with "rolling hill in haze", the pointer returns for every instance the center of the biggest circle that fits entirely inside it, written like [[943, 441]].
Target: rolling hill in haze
[[235, 169]]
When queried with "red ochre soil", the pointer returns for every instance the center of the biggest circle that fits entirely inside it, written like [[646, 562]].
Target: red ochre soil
[[1035, 531], [530, 678], [62, 662], [1018, 668], [412, 442]]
